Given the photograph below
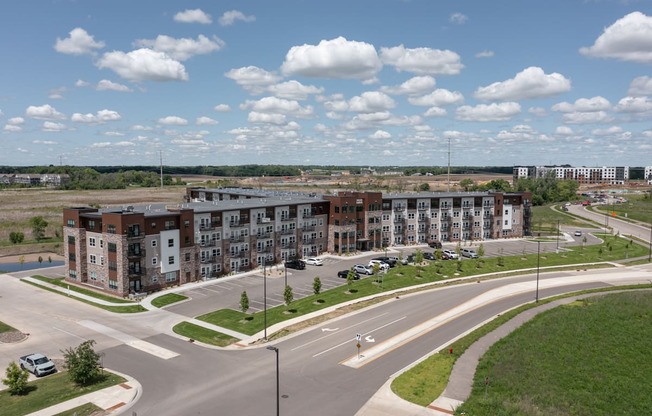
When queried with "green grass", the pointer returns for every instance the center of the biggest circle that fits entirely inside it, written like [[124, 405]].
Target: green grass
[[544, 219], [116, 309], [587, 358], [637, 207], [168, 299], [202, 334], [611, 249], [73, 288], [48, 391], [88, 409], [5, 328]]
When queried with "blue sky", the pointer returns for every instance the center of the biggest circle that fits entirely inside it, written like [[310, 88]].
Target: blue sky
[[356, 82]]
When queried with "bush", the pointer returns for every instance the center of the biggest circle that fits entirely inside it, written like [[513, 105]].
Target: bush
[[16, 237], [16, 379], [82, 363]]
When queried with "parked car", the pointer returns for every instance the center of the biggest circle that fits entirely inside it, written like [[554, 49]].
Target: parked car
[[429, 256], [37, 364], [467, 252], [362, 269], [314, 261], [578, 233], [389, 260], [295, 264], [396, 260], [434, 244], [343, 274], [449, 255], [381, 265], [410, 258]]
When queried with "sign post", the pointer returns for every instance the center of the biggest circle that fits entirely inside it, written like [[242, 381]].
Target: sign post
[[358, 338]]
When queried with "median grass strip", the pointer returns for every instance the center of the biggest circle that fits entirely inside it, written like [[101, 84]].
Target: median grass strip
[[201, 334], [5, 328], [590, 357], [88, 409], [168, 299], [110, 308], [49, 391], [73, 288], [611, 249]]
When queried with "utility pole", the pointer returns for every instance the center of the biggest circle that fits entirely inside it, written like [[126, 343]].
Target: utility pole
[[160, 152], [449, 164]]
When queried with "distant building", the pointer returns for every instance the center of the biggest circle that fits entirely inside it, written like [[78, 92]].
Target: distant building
[[648, 175], [34, 179], [618, 175]]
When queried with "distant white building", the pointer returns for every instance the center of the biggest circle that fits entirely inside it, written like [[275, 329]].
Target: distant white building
[[607, 175], [648, 175]]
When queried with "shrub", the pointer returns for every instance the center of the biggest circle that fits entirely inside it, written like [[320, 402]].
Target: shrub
[[82, 363], [16, 380]]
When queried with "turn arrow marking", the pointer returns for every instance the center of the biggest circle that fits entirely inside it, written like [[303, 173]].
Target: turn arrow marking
[[369, 339], [329, 329]]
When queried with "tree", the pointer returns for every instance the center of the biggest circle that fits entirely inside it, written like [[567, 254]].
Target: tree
[[16, 237], [288, 295], [16, 380], [424, 187], [481, 250], [418, 256], [350, 277], [244, 302], [467, 184], [82, 363], [316, 285], [38, 225]]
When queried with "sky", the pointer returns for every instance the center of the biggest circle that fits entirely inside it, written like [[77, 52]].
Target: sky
[[306, 82]]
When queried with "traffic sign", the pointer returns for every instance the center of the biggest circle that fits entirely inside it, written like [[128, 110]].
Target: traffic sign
[[358, 337]]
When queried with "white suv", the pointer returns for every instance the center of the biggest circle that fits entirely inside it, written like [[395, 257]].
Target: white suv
[[381, 264], [450, 254], [467, 252]]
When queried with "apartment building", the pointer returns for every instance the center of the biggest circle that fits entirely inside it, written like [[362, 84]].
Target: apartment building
[[216, 232], [648, 175], [615, 175]]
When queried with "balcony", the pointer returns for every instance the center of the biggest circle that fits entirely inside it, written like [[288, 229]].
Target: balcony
[[399, 208], [265, 249], [423, 219], [237, 239], [263, 220], [399, 220], [238, 255], [206, 227], [237, 224], [284, 219], [308, 228], [135, 271], [209, 259], [263, 236], [287, 232], [136, 253], [423, 208], [208, 243], [308, 215], [134, 234], [309, 241]]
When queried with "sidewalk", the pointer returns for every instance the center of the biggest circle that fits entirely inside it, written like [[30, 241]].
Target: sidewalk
[[117, 398]]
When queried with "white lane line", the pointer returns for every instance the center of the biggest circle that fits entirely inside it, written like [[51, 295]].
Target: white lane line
[[364, 334], [333, 333], [69, 333], [129, 340], [211, 290]]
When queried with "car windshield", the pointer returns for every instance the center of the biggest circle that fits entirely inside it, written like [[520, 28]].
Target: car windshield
[[41, 360]]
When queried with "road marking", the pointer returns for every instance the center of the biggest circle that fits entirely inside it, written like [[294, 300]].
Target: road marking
[[369, 332], [326, 336], [129, 340], [70, 333], [211, 290], [329, 329], [369, 339]]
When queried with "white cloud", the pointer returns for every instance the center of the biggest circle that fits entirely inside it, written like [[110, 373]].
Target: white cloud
[[12, 128], [81, 83], [44, 112], [414, 86], [371, 102], [628, 39], [435, 112], [587, 117], [537, 111], [488, 112], [53, 127], [143, 64], [437, 98], [532, 82], [113, 133], [634, 105], [57, 93], [485, 54], [106, 85], [193, 16], [230, 17], [102, 116], [202, 121], [252, 78], [380, 134], [183, 48], [293, 90], [640, 86], [564, 131], [222, 108], [45, 142], [583, 105], [256, 117], [337, 58], [422, 60], [79, 43], [610, 131], [139, 127], [458, 18], [173, 121], [274, 105], [15, 121]]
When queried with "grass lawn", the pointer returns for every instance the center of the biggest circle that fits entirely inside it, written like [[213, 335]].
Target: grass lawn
[[201, 334], [611, 249], [73, 288], [88, 409], [637, 207], [587, 358], [5, 328], [48, 391], [168, 299], [116, 309]]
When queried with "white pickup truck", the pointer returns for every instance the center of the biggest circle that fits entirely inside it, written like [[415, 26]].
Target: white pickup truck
[[38, 364]]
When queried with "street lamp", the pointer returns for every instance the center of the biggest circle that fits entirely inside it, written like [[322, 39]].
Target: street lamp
[[538, 257], [557, 249], [278, 396], [265, 298]]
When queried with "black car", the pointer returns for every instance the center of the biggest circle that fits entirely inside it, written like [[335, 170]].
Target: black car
[[429, 256], [343, 274], [434, 244], [391, 262], [295, 264]]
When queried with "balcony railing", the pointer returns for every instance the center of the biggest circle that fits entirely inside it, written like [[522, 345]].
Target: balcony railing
[[206, 227], [237, 224], [399, 208], [308, 228], [263, 236], [264, 220], [238, 255], [137, 271], [208, 243], [136, 253], [287, 232], [422, 208], [237, 239], [288, 218], [209, 259]]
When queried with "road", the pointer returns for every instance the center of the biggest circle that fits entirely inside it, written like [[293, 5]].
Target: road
[[320, 370]]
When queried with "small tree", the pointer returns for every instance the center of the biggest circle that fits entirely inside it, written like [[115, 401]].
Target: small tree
[[418, 256], [244, 302], [316, 285], [350, 277], [481, 250], [16, 237], [38, 224], [16, 380], [82, 363], [458, 248], [40, 259], [288, 295]]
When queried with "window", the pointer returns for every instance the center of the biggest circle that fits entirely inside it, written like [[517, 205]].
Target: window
[[169, 225], [186, 223], [110, 229], [102, 260], [91, 225], [170, 242], [92, 259], [101, 243], [155, 278], [171, 260], [71, 223], [153, 243], [154, 261], [153, 225], [71, 239], [113, 284], [170, 276], [72, 273], [187, 256], [91, 241], [113, 265], [113, 248], [72, 256], [93, 275]]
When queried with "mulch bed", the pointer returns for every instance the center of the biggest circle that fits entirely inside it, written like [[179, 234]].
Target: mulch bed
[[12, 336]]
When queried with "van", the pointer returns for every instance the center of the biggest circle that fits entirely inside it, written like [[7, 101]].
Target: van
[[467, 252]]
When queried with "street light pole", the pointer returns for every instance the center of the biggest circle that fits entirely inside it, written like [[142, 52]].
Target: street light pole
[[649, 255], [538, 257], [265, 298], [286, 275], [557, 249], [278, 395]]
